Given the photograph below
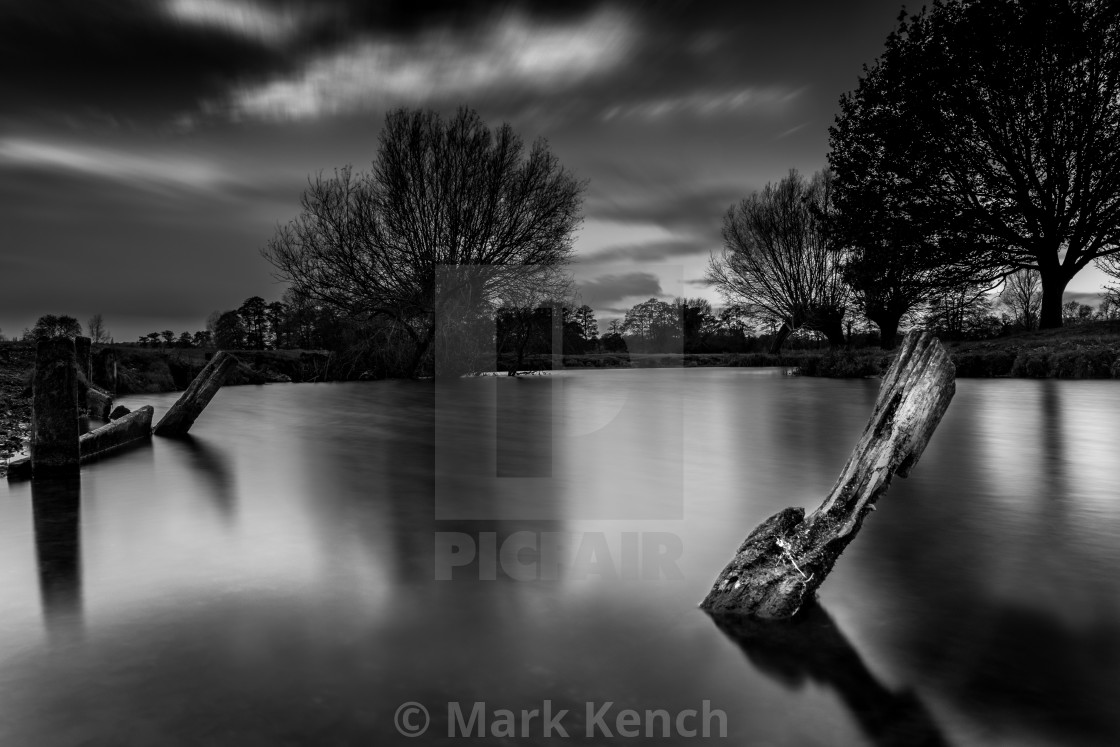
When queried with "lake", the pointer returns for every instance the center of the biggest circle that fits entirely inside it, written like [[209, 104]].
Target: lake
[[333, 564]]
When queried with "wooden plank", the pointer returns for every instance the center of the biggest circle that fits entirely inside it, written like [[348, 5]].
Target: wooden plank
[[782, 563]]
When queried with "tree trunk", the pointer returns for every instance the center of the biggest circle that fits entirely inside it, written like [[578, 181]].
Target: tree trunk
[[780, 565], [1053, 286], [888, 328], [780, 338]]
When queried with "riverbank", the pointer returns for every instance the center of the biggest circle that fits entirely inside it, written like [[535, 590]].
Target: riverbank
[[1084, 351], [129, 369]]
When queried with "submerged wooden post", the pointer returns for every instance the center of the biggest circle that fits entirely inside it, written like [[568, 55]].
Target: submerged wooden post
[[134, 427], [190, 405], [54, 409], [785, 559]]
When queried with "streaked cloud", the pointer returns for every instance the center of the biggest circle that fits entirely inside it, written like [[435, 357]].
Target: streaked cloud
[[246, 18], [151, 170], [654, 251], [606, 291], [751, 100], [376, 71]]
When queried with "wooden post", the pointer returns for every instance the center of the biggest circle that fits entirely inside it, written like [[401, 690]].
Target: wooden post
[[134, 427], [190, 405], [54, 409], [82, 362], [785, 559]]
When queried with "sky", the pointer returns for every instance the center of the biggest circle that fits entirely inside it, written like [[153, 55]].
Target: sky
[[150, 148]]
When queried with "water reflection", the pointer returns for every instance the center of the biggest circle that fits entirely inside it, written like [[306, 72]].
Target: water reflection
[[812, 648], [214, 467], [56, 509]]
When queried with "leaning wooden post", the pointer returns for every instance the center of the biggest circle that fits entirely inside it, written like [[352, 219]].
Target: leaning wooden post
[[785, 559], [54, 409], [190, 405]]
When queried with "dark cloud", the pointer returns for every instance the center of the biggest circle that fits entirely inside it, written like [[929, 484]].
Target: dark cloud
[[652, 251], [693, 209], [606, 290]]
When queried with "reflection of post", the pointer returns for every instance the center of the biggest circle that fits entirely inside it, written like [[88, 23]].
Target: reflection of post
[[811, 647], [56, 509]]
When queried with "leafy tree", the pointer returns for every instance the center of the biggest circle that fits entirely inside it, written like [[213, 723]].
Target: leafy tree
[[97, 331], [168, 337], [254, 318], [993, 128], [584, 316], [653, 326], [778, 257], [442, 194], [202, 339], [49, 325], [229, 332], [185, 340], [696, 320]]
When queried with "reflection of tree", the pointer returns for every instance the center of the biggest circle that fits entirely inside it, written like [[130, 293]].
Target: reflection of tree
[[56, 510], [811, 647]]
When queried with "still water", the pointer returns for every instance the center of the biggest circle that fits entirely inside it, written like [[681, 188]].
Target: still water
[[272, 579]]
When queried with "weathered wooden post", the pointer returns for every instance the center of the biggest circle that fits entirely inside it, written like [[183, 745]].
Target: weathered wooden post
[[190, 405], [54, 409], [82, 361], [785, 559], [128, 430]]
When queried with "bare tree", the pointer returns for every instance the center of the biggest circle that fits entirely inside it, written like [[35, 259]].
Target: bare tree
[[96, 329], [779, 259], [442, 194], [1022, 294]]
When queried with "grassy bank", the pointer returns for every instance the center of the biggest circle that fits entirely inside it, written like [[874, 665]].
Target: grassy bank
[[1084, 351]]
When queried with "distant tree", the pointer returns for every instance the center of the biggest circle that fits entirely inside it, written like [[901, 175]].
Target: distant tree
[[613, 342], [202, 339], [450, 194], [168, 337], [277, 316], [49, 325], [1022, 294], [1075, 312], [185, 340], [964, 313], [778, 257], [1109, 307], [96, 328], [589, 328], [995, 125], [653, 326], [229, 332], [696, 320], [152, 339], [254, 318]]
